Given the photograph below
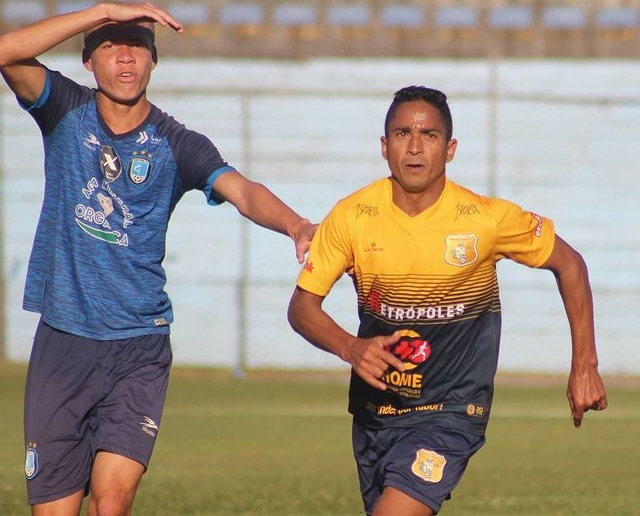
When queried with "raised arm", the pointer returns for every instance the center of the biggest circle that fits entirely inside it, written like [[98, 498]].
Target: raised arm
[[585, 389], [20, 48], [368, 357], [257, 203]]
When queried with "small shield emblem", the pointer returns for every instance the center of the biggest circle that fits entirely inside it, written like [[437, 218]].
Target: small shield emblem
[[31, 463], [139, 170], [462, 250], [428, 466]]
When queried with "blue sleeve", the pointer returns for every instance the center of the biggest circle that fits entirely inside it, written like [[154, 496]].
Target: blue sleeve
[[59, 96], [43, 96], [200, 164]]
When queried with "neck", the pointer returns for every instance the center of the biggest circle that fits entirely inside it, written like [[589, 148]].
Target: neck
[[122, 117], [415, 203]]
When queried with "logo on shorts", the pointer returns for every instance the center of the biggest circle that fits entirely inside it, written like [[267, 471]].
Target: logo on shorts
[[148, 426], [428, 465], [31, 462]]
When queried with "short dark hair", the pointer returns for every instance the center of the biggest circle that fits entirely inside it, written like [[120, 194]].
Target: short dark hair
[[429, 95]]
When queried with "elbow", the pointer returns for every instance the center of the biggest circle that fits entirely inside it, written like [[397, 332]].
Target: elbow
[[292, 316]]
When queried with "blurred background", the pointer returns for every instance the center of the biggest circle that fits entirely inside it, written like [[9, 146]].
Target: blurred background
[[545, 98]]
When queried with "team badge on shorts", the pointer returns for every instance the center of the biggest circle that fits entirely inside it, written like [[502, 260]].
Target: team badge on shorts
[[31, 462], [462, 250], [428, 466]]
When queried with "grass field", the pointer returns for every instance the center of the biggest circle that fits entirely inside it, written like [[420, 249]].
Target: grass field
[[278, 443]]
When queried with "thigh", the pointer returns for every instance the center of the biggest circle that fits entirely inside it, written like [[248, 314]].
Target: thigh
[[427, 463], [127, 420], [369, 445], [395, 503], [114, 482]]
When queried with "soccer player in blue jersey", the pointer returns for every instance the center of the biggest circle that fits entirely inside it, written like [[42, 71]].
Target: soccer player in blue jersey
[[422, 252], [115, 167]]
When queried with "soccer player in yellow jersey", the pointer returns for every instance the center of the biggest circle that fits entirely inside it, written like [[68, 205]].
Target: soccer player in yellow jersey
[[422, 253]]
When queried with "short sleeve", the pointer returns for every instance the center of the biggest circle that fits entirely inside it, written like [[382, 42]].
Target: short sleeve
[[200, 164], [522, 236], [330, 254]]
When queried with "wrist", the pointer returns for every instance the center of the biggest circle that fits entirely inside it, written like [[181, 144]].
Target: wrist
[[297, 228]]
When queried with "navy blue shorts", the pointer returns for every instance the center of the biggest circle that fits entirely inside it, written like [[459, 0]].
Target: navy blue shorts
[[423, 463], [83, 396]]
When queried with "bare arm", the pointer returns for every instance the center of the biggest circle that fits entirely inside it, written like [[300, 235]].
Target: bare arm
[[257, 203], [585, 389], [20, 48], [367, 356]]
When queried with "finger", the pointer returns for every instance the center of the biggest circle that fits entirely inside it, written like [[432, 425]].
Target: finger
[[175, 24], [162, 17], [384, 360], [577, 418], [394, 362], [570, 399], [600, 404], [374, 382], [165, 19]]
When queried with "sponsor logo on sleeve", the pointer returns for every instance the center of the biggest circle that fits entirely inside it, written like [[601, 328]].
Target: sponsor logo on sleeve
[[538, 231]]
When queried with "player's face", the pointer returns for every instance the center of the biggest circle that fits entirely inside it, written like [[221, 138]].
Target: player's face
[[417, 150], [122, 69]]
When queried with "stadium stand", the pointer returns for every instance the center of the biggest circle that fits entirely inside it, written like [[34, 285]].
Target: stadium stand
[[380, 28]]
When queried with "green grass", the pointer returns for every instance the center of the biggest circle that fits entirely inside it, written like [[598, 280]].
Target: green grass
[[279, 444]]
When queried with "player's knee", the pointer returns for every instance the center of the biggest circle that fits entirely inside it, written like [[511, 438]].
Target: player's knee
[[111, 504]]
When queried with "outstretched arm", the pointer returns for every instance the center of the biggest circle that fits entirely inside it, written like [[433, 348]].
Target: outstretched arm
[[20, 48], [585, 389], [257, 203], [367, 356]]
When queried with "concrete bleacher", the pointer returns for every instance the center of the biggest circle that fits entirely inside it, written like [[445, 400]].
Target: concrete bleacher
[[413, 28]]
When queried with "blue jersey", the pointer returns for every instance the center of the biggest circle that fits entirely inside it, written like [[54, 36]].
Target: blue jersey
[[96, 264]]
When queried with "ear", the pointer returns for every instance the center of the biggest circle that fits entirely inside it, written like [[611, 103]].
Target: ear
[[451, 149], [383, 146], [88, 66]]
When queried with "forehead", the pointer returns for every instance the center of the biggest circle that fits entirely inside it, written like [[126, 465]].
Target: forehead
[[416, 112], [119, 32]]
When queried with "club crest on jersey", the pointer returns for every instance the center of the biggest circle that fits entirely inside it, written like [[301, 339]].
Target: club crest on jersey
[[428, 465], [462, 250], [139, 169], [31, 463], [109, 163]]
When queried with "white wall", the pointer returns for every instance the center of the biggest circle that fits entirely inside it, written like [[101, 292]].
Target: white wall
[[566, 147]]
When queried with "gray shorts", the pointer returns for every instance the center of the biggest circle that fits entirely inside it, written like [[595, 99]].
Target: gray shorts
[[83, 396], [424, 463]]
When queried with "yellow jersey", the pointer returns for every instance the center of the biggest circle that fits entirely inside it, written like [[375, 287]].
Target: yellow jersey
[[432, 276]]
